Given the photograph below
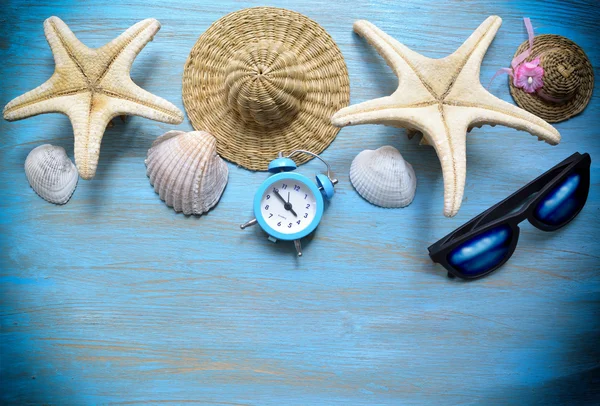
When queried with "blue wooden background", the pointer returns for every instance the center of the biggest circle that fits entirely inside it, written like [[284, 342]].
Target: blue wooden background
[[114, 298]]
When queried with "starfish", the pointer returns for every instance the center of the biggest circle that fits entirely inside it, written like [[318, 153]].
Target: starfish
[[442, 99], [91, 87]]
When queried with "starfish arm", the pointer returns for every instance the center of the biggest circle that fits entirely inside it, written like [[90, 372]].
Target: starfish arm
[[130, 99], [384, 110], [486, 108], [127, 46], [368, 112], [393, 52], [89, 119], [474, 48], [66, 48], [53, 96], [91, 116], [447, 133], [68, 79]]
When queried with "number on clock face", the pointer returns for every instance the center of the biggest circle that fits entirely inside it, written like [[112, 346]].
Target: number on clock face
[[288, 206]]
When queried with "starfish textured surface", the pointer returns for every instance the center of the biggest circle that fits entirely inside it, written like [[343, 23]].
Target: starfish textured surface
[[92, 86], [443, 99]]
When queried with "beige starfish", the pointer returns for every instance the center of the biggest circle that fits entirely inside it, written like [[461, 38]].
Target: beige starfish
[[443, 99], [92, 86]]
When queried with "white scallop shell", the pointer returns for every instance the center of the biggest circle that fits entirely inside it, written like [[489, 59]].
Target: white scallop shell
[[186, 171], [51, 173], [383, 177]]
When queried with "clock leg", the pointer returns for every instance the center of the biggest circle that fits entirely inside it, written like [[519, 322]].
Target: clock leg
[[248, 224], [298, 247]]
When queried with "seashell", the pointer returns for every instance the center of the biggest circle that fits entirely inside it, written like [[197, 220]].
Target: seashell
[[383, 177], [51, 173], [186, 171]]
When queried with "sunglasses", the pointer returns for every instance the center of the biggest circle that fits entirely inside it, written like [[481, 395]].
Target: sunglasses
[[485, 243]]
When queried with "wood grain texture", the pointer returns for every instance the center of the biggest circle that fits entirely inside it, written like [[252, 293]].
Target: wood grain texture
[[115, 299]]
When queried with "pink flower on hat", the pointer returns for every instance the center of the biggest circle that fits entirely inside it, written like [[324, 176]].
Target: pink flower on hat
[[528, 76], [525, 75]]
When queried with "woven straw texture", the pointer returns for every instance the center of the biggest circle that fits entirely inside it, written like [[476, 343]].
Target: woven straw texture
[[568, 77], [264, 80]]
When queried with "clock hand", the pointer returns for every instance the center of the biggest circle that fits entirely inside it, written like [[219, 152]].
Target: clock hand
[[286, 205], [279, 196], [289, 206]]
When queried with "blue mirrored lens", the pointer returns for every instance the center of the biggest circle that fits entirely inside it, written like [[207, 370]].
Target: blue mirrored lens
[[482, 252], [560, 203]]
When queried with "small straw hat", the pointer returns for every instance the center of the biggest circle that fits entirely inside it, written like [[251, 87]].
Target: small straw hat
[[264, 80], [568, 79]]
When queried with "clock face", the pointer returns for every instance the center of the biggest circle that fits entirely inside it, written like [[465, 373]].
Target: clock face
[[288, 206]]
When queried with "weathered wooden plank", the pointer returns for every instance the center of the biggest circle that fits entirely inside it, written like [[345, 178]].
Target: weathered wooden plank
[[114, 298]]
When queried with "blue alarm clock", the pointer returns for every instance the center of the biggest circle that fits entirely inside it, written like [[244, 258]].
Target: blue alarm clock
[[288, 206]]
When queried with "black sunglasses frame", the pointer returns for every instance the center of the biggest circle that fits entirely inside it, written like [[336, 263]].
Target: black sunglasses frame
[[504, 213]]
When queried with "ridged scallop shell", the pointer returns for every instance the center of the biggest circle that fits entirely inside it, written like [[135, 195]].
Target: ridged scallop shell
[[383, 177], [51, 174], [186, 171]]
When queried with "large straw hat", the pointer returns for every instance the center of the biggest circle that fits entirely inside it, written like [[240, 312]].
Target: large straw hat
[[568, 79], [264, 80]]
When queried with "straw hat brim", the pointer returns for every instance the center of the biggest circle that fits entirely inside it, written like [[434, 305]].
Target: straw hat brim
[[549, 111], [247, 143]]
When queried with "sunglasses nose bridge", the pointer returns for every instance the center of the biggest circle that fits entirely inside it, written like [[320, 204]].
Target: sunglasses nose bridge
[[537, 224]]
